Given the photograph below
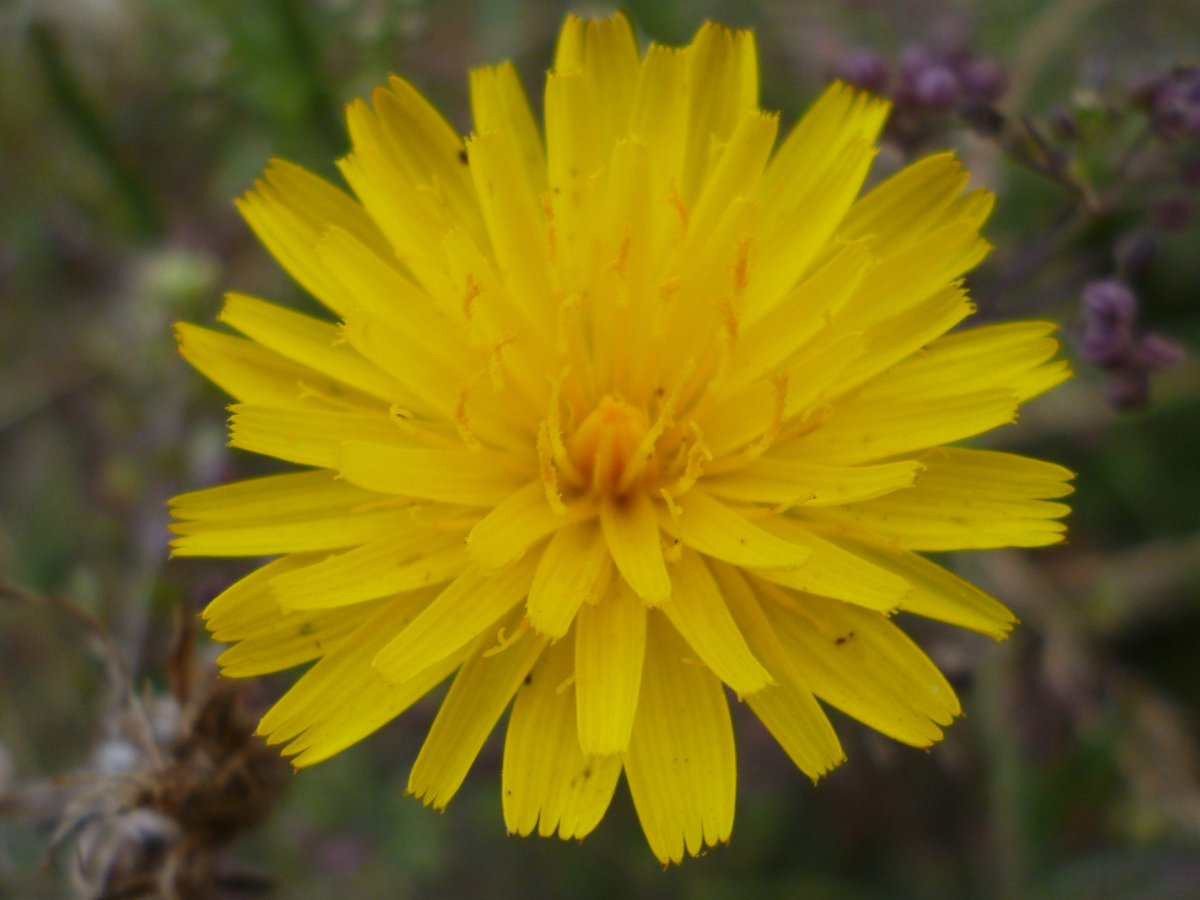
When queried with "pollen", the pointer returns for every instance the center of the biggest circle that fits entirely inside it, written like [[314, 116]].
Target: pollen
[[606, 446]]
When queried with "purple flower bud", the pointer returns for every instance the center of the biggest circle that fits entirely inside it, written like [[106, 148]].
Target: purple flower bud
[[1109, 311], [985, 79], [1105, 347], [863, 69], [1154, 352], [914, 61], [1128, 389], [1108, 305], [1186, 80], [1176, 104], [937, 87]]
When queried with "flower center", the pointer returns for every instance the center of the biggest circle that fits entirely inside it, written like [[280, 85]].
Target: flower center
[[612, 448]]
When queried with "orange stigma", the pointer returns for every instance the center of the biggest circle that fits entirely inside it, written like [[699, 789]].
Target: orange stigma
[[607, 443]]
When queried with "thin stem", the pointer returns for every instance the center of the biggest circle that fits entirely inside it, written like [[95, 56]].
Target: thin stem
[[1007, 772], [1135, 148], [92, 132], [1037, 155], [116, 667], [302, 46]]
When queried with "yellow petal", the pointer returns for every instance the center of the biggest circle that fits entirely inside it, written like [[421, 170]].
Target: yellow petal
[[705, 306], [994, 475], [723, 67], [288, 639], [935, 592], [247, 606], [479, 694], [358, 703], [780, 480], [376, 289], [863, 430], [974, 206], [306, 436], [897, 338], [745, 416], [270, 537], [428, 385], [907, 205], [290, 209], [344, 676], [631, 532], [568, 52], [840, 118], [294, 495], [610, 643], [660, 107], [413, 215], [520, 520], [832, 572], [912, 275], [502, 319], [797, 239], [631, 227], [425, 150], [498, 104], [403, 560], [610, 68], [574, 155], [419, 341], [858, 661], [469, 606], [364, 704], [409, 217], [788, 707], [738, 170], [447, 476], [1011, 356], [307, 341], [771, 341], [699, 612], [714, 529], [575, 567], [251, 373], [680, 763], [516, 227], [966, 499], [548, 782], [574, 149]]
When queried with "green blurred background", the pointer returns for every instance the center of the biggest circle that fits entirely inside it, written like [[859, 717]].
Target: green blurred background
[[127, 127]]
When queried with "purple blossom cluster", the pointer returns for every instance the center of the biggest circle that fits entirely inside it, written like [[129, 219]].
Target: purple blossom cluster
[[1128, 161], [1109, 340], [1171, 101], [926, 86]]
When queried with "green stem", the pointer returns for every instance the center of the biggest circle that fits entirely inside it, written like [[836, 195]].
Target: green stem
[[302, 47], [1008, 780], [90, 128]]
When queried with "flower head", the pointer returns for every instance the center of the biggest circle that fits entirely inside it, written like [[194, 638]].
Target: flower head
[[607, 421]]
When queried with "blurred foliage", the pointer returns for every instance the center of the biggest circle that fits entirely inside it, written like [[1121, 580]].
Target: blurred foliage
[[126, 128]]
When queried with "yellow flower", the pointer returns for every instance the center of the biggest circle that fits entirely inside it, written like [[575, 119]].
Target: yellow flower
[[609, 421]]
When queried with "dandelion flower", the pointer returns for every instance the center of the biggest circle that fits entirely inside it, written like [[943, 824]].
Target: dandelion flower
[[604, 422]]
